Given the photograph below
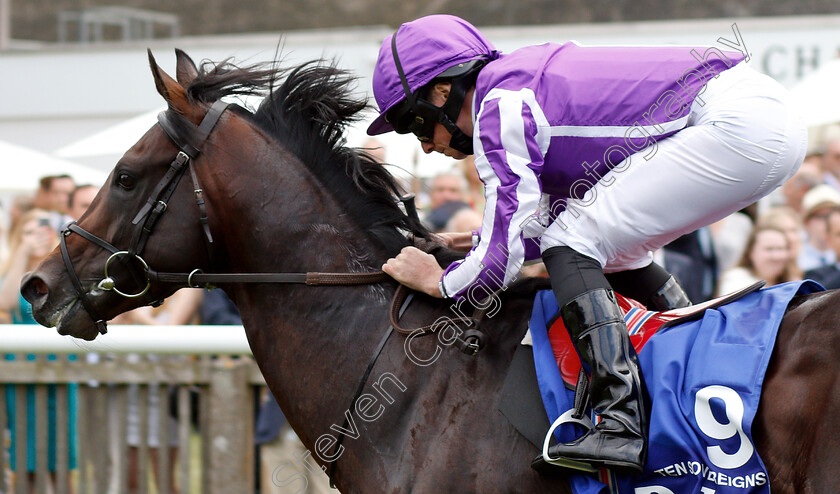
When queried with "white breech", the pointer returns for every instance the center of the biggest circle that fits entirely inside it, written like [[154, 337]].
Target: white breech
[[743, 139]]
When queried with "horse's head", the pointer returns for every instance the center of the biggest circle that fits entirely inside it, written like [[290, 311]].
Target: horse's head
[[144, 218]]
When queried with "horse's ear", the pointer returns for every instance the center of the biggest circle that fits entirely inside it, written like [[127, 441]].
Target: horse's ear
[[185, 70], [174, 93]]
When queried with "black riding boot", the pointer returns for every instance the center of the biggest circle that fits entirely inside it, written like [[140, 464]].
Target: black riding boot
[[669, 296], [618, 441]]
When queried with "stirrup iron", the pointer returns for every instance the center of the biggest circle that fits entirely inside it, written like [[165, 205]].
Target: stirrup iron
[[567, 417]]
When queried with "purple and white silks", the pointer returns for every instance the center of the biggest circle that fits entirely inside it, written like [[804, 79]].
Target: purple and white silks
[[550, 121]]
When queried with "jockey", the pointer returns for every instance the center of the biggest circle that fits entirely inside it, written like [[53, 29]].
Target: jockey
[[592, 158]]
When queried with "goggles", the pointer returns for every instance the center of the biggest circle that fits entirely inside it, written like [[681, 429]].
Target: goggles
[[406, 118]]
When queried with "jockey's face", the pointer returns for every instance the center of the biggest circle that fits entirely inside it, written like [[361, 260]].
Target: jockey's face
[[441, 137]]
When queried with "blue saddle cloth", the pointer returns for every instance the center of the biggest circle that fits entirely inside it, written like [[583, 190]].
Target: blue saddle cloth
[[704, 378]]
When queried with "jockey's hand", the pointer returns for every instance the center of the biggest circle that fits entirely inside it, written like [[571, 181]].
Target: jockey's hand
[[461, 241], [416, 270]]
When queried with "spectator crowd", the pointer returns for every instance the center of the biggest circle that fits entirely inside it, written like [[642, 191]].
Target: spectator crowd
[[792, 234]]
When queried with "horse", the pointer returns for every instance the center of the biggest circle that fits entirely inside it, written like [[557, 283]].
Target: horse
[[278, 190]]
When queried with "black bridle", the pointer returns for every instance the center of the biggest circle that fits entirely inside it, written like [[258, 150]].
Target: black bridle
[[157, 204], [145, 220]]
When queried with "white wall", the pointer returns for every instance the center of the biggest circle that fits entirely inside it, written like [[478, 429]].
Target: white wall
[[55, 96]]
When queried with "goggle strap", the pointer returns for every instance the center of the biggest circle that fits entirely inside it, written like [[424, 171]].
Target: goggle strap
[[409, 95]]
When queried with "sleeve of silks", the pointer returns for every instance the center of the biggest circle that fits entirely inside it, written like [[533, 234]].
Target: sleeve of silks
[[512, 138]]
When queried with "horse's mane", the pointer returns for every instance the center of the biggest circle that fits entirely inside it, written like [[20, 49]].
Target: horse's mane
[[308, 113]]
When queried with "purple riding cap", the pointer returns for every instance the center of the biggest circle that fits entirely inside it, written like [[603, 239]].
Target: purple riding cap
[[426, 48]]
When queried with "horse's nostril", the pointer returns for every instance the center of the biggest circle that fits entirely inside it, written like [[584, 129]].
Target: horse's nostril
[[40, 287], [34, 288]]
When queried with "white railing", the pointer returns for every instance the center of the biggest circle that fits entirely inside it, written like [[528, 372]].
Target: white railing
[[196, 340]]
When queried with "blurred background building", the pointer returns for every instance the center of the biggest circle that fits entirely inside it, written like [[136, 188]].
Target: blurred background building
[[73, 69], [40, 19]]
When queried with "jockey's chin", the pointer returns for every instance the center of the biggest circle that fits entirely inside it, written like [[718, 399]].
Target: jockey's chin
[[452, 153]]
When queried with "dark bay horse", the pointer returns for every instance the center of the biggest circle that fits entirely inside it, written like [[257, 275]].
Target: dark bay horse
[[284, 194]]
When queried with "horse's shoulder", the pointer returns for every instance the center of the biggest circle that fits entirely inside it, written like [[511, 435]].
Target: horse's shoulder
[[516, 303]]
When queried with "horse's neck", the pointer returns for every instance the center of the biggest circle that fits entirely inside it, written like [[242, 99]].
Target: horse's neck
[[313, 345], [283, 220], [306, 335], [307, 340]]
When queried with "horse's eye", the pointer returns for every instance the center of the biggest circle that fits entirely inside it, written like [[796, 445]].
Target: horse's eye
[[126, 181]]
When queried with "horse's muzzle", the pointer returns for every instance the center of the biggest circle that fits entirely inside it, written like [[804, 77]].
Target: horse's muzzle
[[53, 306]]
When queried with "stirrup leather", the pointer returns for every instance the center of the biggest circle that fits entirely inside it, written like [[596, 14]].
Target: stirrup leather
[[669, 296]]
